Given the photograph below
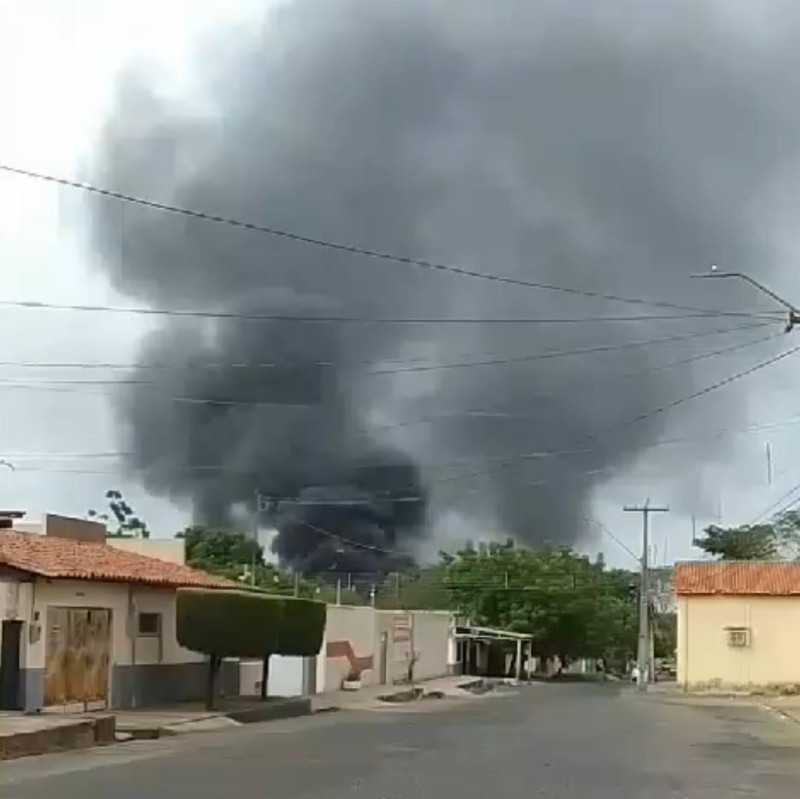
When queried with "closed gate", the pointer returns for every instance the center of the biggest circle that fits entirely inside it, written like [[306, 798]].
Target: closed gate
[[77, 656]]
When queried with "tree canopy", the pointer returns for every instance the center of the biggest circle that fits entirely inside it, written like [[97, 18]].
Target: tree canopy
[[774, 540], [572, 607], [129, 525]]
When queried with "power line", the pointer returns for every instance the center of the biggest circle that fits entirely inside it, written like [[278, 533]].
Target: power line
[[68, 456], [546, 355], [613, 537], [770, 508], [341, 247], [349, 541], [641, 417], [715, 434], [133, 365], [360, 320], [486, 410]]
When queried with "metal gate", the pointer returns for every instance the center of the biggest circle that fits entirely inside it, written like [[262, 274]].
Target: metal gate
[[78, 655]]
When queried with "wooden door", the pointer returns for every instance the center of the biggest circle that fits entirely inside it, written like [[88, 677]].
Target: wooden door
[[9, 665], [77, 656]]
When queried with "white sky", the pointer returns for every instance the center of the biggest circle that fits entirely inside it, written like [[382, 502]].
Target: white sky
[[59, 60]]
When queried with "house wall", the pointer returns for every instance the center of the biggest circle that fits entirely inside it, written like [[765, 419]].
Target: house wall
[[398, 644], [143, 670], [172, 550], [286, 676], [349, 643], [705, 659], [431, 635], [353, 639]]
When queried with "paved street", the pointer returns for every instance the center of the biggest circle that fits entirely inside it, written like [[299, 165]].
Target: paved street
[[547, 741]]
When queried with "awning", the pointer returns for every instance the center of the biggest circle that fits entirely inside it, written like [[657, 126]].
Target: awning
[[489, 634]]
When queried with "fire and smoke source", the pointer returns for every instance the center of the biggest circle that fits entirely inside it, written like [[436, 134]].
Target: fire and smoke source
[[614, 149]]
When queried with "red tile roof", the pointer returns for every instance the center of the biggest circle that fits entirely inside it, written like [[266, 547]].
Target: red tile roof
[[67, 559], [737, 577]]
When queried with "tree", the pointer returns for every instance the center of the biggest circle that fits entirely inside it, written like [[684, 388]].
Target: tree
[[129, 525], [421, 589], [773, 540], [571, 606], [665, 635], [232, 623], [234, 554], [229, 553]]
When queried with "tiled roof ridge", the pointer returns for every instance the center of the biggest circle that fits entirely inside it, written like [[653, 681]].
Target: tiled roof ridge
[[65, 558], [737, 578]]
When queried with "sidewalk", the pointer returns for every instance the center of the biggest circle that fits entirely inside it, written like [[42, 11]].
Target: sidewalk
[[22, 734]]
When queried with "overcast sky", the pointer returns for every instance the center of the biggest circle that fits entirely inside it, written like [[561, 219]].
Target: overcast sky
[[59, 62]]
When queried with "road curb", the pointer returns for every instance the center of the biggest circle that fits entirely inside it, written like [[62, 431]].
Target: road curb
[[80, 735]]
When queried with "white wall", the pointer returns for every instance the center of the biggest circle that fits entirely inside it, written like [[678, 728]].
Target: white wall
[[431, 635], [398, 647], [353, 627], [78, 593], [362, 628], [172, 550], [285, 676], [160, 600], [116, 597]]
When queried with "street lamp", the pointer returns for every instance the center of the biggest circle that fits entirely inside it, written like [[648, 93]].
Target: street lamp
[[793, 316]]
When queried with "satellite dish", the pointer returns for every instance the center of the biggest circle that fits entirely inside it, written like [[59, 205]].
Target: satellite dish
[[714, 268]]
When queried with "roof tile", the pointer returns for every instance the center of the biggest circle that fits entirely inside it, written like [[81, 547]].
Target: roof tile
[[63, 558], [775, 578]]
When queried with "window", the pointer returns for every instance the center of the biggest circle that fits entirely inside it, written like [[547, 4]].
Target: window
[[149, 624], [738, 637]]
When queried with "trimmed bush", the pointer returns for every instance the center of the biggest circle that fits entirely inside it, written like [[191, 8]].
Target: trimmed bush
[[302, 628], [248, 624]]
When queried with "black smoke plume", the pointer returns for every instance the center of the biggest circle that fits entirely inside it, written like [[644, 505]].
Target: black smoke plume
[[615, 148]]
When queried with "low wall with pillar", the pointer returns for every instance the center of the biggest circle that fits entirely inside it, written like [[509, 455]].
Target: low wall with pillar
[[379, 644]]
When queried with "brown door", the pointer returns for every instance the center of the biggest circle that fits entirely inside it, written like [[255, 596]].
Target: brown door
[[10, 645], [77, 656]]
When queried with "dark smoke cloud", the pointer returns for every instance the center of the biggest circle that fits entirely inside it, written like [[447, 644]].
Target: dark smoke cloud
[[613, 148]]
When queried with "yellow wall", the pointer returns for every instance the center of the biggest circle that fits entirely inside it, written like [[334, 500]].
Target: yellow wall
[[706, 660]]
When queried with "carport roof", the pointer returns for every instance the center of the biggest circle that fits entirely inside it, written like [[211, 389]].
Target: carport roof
[[67, 559], [468, 631]]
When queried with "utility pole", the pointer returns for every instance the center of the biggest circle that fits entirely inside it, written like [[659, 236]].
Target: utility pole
[[255, 539], [643, 653]]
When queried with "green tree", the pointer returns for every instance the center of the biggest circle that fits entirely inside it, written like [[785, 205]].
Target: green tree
[[665, 634], [129, 525], [774, 540], [234, 554], [229, 553], [421, 589], [571, 606]]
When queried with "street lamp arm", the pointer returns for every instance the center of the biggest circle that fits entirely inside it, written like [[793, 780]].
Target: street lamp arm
[[794, 313]]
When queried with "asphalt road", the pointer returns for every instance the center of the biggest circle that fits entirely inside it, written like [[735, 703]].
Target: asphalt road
[[544, 741]]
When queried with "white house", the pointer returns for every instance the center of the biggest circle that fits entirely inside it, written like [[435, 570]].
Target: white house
[[88, 624]]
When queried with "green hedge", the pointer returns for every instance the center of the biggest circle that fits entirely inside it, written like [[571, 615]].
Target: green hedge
[[302, 628], [233, 623]]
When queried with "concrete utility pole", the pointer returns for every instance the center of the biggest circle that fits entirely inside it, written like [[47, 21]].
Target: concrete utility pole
[[643, 653], [256, 513]]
